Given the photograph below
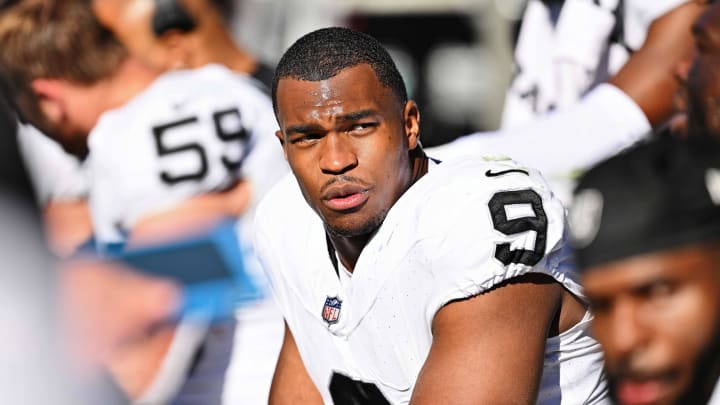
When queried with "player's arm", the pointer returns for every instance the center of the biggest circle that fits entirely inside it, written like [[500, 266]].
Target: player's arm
[[67, 225], [291, 383], [489, 349], [195, 214], [648, 77]]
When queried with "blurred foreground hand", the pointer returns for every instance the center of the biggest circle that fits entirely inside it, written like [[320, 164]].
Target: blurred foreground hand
[[105, 306]]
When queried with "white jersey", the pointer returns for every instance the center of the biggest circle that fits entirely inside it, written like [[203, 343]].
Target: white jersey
[[55, 174], [715, 397], [566, 48], [437, 244], [189, 132]]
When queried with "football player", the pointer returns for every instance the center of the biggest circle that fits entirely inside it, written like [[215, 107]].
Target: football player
[[646, 226], [171, 34], [154, 141], [591, 78], [402, 279]]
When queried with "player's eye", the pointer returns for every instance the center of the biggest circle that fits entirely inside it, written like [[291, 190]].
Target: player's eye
[[657, 291], [307, 138], [363, 127], [661, 289]]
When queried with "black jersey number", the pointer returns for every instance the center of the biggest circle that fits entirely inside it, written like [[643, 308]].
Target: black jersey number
[[162, 132], [538, 223], [344, 390]]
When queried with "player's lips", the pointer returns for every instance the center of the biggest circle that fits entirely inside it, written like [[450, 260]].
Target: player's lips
[[640, 392], [344, 197]]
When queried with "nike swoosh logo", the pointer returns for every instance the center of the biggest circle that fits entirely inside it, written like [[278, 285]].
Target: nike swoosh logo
[[491, 173]]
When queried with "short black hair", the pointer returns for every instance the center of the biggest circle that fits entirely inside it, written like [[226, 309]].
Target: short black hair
[[322, 54]]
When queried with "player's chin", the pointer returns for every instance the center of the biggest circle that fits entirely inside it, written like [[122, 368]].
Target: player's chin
[[352, 225]]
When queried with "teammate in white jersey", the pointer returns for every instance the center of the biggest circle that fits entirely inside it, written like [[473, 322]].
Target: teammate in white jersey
[[400, 279], [651, 268], [156, 140], [184, 38], [189, 131], [171, 34], [591, 78]]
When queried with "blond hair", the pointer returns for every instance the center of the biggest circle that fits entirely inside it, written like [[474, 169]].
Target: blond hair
[[54, 39]]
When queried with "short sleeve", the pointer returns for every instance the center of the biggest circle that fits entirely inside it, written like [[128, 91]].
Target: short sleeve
[[506, 224]]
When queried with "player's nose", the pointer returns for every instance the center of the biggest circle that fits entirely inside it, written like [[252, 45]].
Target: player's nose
[[337, 154], [627, 331]]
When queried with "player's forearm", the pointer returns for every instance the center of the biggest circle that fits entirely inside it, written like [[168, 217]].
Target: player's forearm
[[68, 225], [193, 215], [648, 77], [601, 124]]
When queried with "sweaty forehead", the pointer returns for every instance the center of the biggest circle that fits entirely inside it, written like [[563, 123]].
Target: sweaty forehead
[[355, 87]]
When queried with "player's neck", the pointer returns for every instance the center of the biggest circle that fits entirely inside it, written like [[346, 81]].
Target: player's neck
[[132, 77], [241, 62], [419, 162], [220, 48], [349, 248]]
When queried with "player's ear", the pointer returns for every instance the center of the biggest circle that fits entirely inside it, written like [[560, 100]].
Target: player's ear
[[281, 138], [411, 116], [50, 101]]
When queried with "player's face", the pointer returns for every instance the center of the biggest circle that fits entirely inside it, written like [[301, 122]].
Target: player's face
[[347, 140], [703, 82], [657, 318]]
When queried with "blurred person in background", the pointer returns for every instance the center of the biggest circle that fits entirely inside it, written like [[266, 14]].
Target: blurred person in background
[[165, 35], [591, 78], [173, 34], [180, 141], [182, 34], [646, 228]]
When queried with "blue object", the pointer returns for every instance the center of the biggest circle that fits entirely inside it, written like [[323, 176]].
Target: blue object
[[209, 266]]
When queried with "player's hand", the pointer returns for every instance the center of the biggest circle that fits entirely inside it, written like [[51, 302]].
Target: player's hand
[[105, 306]]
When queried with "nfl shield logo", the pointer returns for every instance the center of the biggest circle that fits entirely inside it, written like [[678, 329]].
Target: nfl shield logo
[[331, 310]]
